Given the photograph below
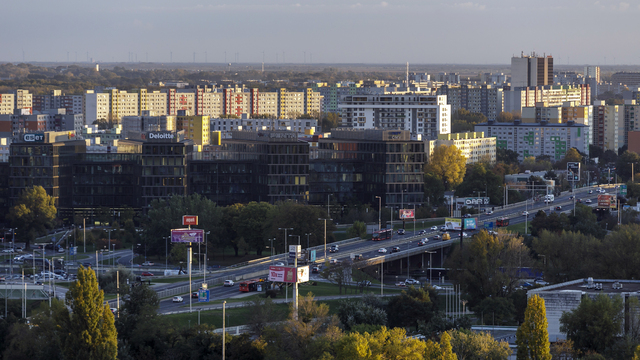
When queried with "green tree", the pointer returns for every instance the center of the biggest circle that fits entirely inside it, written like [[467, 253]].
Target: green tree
[[330, 121], [586, 222], [594, 324], [480, 180], [447, 164], [92, 333], [252, 225], [411, 306], [507, 156], [367, 310], [554, 222], [532, 335], [562, 265], [359, 229], [625, 163], [620, 253], [339, 274], [433, 189], [33, 214]]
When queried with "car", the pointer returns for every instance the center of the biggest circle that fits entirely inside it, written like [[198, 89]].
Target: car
[[579, 201], [395, 249], [491, 232], [382, 250], [588, 201], [446, 236], [540, 282], [146, 273], [334, 261], [228, 283], [571, 197], [467, 215], [315, 270], [177, 299], [434, 228], [38, 282], [280, 263], [558, 208], [422, 232], [334, 249], [464, 234], [401, 284], [147, 263], [401, 232], [590, 191], [364, 283], [412, 282], [194, 295], [61, 250], [8, 251], [525, 213], [423, 242], [526, 284], [357, 257], [437, 237], [443, 228], [489, 212]]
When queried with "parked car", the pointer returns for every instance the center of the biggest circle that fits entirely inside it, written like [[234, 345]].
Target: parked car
[[401, 232], [146, 273], [228, 283], [177, 299], [395, 249], [382, 250], [434, 228]]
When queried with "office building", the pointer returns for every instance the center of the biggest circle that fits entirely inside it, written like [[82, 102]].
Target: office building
[[535, 139], [302, 126], [147, 121], [356, 165], [52, 120], [474, 146], [606, 125], [428, 115], [531, 70]]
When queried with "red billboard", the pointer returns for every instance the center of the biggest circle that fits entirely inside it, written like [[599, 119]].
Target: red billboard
[[607, 201], [406, 214], [186, 235], [189, 220], [288, 274]]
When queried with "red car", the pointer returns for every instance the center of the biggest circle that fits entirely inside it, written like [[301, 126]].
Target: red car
[[146, 273]]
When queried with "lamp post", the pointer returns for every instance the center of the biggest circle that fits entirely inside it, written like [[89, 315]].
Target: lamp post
[[408, 264], [308, 253], [325, 238], [109, 248], [224, 329], [166, 252], [402, 204], [271, 240], [113, 256], [430, 266], [206, 255], [379, 214], [286, 249]]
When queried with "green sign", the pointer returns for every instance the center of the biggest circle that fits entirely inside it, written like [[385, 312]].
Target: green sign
[[623, 189]]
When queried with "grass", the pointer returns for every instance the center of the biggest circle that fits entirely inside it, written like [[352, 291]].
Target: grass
[[517, 227], [235, 317]]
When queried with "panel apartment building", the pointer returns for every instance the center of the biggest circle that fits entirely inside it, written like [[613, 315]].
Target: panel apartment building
[[475, 147], [531, 70], [429, 115], [535, 139], [518, 98], [483, 99]]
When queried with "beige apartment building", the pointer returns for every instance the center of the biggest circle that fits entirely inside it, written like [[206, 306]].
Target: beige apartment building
[[606, 119], [474, 146]]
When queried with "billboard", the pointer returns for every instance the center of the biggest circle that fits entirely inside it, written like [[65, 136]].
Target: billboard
[[186, 235], [288, 274], [607, 201], [294, 251], [573, 171], [33, 137], [453, 224], [189, 220], [406, 214], [470, 224]]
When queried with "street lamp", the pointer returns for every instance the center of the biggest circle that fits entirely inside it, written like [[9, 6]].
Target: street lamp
[[325, 238], [379, 214], [430, 266], [286, 249], [408, 264], [308, 254], [113, 257], [206, 255]]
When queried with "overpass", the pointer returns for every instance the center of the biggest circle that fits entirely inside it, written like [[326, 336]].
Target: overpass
[[19, 291]]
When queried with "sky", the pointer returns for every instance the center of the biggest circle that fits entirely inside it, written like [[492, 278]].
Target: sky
[[321, 31]]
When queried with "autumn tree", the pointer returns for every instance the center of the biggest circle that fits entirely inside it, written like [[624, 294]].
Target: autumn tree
[[447, 164], [382, 344], [561, 265], [33, 214], [469, 345], [92, 333], [532, 335]]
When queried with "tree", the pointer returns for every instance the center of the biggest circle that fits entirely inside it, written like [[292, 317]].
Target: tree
[[624, 164], [330, 121], [478, 179], [594, 324], [532, 335], [433, 189], [504, 117], [469, 345], [507, 156], [586, 222], [339, 274], [252, 224], [92, 333], [620, 253], [368, 310], [263, 313], [382, 344], [562, 265], [33, 213], [411, 306], [359, 229], [555, 223], [447, 164]]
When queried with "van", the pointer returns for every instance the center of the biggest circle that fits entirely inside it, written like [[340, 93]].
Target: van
[[549, 198]]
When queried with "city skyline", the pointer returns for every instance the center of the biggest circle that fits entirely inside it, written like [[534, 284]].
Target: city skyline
[[374, 32]]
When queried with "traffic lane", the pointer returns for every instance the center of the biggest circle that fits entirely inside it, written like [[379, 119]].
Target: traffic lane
[[215, 293]]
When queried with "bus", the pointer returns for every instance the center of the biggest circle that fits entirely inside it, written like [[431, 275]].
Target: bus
[[383, 234], [503, 221], [249, 285]]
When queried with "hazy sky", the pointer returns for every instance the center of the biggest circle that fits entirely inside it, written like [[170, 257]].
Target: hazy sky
[[329, 31]]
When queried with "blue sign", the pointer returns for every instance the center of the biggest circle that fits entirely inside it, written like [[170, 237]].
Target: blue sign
[[313, 255], [73, 250], [203, 295], [488, 225], [470, 223]]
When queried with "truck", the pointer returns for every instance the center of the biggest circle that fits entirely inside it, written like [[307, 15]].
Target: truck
[[549, 198]]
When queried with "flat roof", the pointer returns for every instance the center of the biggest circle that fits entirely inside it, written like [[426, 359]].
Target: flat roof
[[627, 286]]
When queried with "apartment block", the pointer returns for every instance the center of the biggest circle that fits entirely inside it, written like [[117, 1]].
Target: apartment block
[[474, 146], [535, 139], [592, 72], [429, 115], [516, 99], [300, 126], [631, 118], [483, 99], [7, 103], [154, 101], [196, 127], [531, 70], [606, 125], [631, 79], [23, 100], [73, 104], [332, 93]]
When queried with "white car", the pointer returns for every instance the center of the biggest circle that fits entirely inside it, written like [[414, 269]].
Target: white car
[[177, 299], [588, 201], [525, 213], [228, 283], [147, 263], [489, 212], [434, 228], [334, 261], [280, 264], [412, 282], [382, 250], [7, 251]]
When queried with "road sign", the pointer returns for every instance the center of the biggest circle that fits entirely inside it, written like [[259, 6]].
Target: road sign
[[73, 250], [189, 220], [623, 189], [203, 295], [488, 225], [294, 251], [573, 171]]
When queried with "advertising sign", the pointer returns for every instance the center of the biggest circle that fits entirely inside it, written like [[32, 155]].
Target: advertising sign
[[189, 220], [573, 171], [453, 224], [282, 274], [406, 214], [470, 223], [313, 256], [186, 235], [303, 274], [470, 201], [294, 251], [203, 295], [607, 201], [33, 137]]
